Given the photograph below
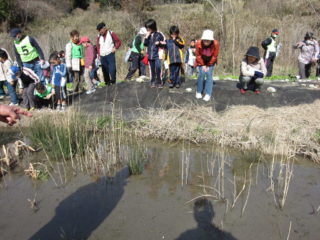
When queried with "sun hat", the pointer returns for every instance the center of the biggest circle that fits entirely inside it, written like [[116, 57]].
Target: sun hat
[[143, 31], [207, 35]]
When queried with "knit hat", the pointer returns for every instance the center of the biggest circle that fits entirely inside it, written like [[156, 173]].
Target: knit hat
[[14, 70], [143, 31], [100, 26], [275, 31], [14, 32], [84, 39], [207, 35], [253, 52]]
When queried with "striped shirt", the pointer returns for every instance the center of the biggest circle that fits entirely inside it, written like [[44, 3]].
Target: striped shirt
[[27, 77]]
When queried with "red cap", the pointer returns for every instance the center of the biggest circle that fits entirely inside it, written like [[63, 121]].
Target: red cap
[[84, 39]]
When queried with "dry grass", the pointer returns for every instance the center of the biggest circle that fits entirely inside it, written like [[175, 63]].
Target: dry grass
[[237, 25], [244, 127]]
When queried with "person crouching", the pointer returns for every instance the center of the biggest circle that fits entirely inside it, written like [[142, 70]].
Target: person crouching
[[44, 96], [252, 71]]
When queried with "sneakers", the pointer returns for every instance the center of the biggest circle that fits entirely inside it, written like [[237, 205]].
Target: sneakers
[[153, 85], [242, 91], [206, 98], [92, 90], [58, 108], [177, 85], [198, 95], [160, 85], [171, 85], [63, 107], [14, 104], [32, 109], [1, 97]]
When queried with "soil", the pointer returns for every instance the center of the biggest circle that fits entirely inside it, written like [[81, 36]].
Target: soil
[[129, 97]]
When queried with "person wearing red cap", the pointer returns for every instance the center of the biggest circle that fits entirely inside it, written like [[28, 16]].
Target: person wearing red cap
[[89, 62], [271, 47]]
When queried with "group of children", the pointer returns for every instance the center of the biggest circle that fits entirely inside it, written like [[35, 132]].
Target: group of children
[[80, 63]]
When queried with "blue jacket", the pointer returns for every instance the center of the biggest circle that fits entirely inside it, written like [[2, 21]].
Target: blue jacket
[[174, 50], [58, 77], [150, 43]]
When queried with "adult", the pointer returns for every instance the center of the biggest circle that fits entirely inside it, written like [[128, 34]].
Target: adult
[[270, 46], [309, 51], [107, 44], [11, 114], [252, 70], [28, 52]]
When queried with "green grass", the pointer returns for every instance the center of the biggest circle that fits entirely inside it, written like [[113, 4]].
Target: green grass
[[137, 159], [61, 139]]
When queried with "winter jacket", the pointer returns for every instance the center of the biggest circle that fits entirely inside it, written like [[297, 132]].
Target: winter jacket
[[174, 50], [28, 77], [58, 77], [207, 56], [89, 56], [309, 51], [105, 46], [150, 43], [247, 70], [5, 72]]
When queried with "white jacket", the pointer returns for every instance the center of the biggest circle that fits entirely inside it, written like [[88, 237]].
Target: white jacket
[[247, 70]]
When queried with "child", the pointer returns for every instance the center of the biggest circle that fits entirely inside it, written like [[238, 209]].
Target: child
[[44, 96], [137, 53], [6, 77], [45, 73], [27, 79], [58, 80], [207, 50], [153, 41], [75, 60], [174, 56], [89, 62], [190, 58], [253, 69]]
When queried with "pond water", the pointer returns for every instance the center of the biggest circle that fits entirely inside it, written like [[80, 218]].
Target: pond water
[[185, 192]]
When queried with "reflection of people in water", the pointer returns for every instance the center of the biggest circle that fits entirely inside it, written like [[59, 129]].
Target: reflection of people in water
[[204, 214], [83, 211]]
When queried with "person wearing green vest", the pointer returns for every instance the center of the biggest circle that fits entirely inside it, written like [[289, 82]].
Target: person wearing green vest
[[75, 60], [137, 52], [44, 96], [270, 46], [28, 52]]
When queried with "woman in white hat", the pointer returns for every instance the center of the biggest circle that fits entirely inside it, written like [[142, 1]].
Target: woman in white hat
[[137, 52], [207, 50]]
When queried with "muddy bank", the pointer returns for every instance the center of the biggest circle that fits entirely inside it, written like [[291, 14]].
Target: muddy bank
[[131, 96]]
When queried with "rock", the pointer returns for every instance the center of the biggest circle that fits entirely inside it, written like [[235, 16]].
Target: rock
[[271, 90], [303, 85], [189, 89], [312, 86]]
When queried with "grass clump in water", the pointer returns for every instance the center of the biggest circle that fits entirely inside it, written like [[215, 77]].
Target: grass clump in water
[[137, 160], [61, 136]]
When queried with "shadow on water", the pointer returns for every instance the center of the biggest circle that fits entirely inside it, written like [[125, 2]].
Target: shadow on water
[[203, 213], [77, 216]]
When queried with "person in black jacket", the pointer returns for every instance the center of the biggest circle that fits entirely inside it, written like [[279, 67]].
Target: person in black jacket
[[270, 46]]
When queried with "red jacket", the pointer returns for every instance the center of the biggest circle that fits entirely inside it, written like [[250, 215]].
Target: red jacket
[[199, 53], [115, 38]]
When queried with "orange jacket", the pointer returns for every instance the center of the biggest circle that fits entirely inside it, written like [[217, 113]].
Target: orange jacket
[[199, 51]]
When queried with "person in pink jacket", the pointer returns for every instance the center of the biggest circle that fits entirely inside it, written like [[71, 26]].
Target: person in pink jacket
[[89, 63]]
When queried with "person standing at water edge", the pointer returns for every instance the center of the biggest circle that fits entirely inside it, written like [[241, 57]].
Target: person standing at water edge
[[107, 44], [190, 58], [75, 60], [270, 46], [28, 52], [207, 50], [309, 51], [253, 70], [174, 54], [154, 40], [137, 54]]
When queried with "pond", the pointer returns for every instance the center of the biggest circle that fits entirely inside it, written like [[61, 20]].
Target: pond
[[184, 192]]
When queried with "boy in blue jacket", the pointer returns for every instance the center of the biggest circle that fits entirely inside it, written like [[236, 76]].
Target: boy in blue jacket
[[174, 54], [59, 80], [153, 41]]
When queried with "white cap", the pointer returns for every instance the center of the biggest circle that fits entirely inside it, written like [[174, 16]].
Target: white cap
[[143, 31], [207, 35], [44, 65]]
